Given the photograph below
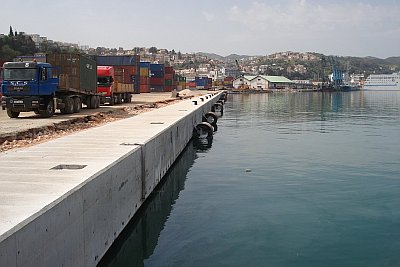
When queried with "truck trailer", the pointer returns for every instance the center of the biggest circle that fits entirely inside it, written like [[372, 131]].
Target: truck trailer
[[111, 89], [64, 81]]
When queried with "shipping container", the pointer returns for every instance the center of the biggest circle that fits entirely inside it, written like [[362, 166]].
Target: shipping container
[[157, 74], [169, 70], [144, 72], [156, 81], [191, 84], [156, 88], [124, 87], [145, 88], [168, 88], [127, 68], [144, 80], [156, 67], [77, 71], [132, 60], [169, 82], [125, 74], [169, 76], [144, 65]]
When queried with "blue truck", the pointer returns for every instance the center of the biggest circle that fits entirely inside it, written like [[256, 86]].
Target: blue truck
[[62, 81]]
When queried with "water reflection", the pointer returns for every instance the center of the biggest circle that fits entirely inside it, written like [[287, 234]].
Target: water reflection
[[203, 144], [138, 240], [292, 113]]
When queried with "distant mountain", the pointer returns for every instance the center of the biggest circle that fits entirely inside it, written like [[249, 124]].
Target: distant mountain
[[211, 56], [393, 60], [231, 57]]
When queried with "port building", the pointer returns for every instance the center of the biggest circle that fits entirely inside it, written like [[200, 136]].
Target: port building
[[262, 82]]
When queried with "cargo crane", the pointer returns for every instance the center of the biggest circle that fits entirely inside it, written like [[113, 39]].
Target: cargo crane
[[238, 68], [338, 78]]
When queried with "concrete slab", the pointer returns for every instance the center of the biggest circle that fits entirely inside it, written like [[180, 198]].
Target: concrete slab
[[71, 216]]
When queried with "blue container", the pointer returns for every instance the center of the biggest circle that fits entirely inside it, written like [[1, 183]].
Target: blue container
[[157, 67], [157, 74], [145, 65], [200, 81], [117, 60]]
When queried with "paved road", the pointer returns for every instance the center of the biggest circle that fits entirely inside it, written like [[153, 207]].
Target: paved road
[[28, 120]]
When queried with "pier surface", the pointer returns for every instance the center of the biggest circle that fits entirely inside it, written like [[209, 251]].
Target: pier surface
[[64, 202]]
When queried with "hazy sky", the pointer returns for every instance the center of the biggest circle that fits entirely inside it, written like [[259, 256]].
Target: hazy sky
[[334, 27]]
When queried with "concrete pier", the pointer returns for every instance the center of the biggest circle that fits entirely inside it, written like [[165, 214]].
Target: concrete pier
[[64, 202]]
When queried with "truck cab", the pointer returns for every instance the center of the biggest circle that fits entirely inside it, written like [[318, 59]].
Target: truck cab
[[28, 86], [105, 83]]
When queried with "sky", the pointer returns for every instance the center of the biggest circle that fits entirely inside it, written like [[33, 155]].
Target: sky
[[336, 27]]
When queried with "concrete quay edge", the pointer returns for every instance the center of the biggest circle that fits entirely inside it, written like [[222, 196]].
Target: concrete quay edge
[[70, 217]]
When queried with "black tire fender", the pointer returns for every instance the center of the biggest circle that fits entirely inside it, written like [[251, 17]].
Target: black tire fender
[[203, 129], [211, 118]]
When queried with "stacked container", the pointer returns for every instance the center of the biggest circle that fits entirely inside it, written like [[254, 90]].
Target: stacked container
[[157, 76], [180, 82], [144, 77], [126, 69], [191, 84], [228, 82], [203, 82], [169, 79]]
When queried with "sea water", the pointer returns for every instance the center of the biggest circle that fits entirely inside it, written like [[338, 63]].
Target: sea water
[[289, 179]]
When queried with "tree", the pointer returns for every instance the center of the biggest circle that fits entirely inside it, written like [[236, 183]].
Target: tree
[[7, 53], [11, 33], [153, 50]]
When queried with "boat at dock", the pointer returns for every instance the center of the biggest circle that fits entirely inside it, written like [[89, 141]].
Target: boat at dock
[[382, 82], [339, 82]]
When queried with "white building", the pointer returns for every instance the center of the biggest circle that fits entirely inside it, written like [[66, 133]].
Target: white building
[[243, 82], [262, 82]]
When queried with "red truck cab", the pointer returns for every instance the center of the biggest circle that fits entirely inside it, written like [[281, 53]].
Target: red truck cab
[[105, 83]]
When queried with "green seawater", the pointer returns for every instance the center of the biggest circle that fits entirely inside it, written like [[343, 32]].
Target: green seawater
[[289, 179]]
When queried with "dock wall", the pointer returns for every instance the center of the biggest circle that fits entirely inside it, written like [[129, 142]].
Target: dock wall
[[64, 202]]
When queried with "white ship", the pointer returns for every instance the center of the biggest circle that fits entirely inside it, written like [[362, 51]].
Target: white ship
[[382, 82]]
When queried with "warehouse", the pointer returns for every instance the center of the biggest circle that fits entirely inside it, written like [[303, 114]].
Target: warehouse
[[262, 82]]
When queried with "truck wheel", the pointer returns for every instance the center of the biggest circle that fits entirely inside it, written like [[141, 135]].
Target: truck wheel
[[69, 106], [12, 114], [93, 101], [97, 101], [112, 100], [77, 104], [49, 111], [87, 101]]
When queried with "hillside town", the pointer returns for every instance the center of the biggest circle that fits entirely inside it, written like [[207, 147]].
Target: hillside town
[[277, 71]]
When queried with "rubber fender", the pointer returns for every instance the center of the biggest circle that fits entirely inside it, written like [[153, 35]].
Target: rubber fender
[[203, 129], [211, 118], [217, 107]]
